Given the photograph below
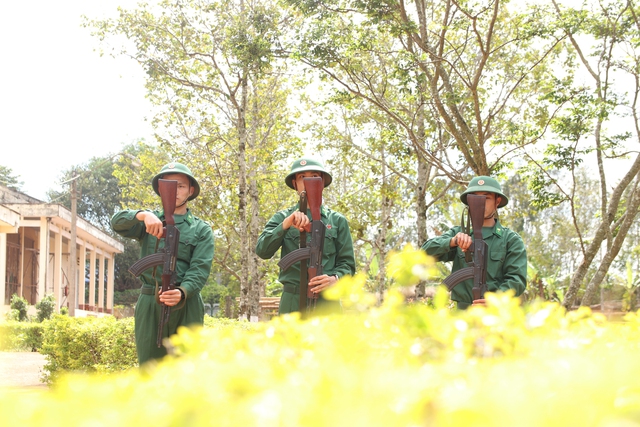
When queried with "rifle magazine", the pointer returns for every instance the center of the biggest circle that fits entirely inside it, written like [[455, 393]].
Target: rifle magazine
[[458, 277], [145, 263], [293, 257]]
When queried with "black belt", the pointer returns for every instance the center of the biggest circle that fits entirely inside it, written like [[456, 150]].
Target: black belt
[[149, 290], [290, 289]]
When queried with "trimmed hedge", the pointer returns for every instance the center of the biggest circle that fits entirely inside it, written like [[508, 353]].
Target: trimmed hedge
[[20, 336], [87, 344]]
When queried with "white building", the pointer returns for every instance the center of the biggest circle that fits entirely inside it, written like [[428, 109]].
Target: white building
[[35, 240]]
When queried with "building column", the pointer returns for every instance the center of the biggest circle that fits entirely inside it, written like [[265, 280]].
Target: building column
[[81, 278], [43, 257], [57, 269], [92, 280], [101, 283], [3, 267], [21, 264], [110, 278]]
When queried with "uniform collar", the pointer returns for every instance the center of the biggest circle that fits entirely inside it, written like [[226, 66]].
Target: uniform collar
[[324, 212], [188, 217], [496, 230]]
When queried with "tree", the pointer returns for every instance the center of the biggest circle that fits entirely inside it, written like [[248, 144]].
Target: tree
[[99, 196], [223, 110], [586, 109], [8, 179], [457, 84]]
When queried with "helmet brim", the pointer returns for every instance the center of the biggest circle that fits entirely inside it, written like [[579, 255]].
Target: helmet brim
[[326, 175], [484, 189], [194, 182]]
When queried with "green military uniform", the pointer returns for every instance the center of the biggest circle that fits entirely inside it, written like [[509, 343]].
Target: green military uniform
[[506, 264], [337, 257], [507, 256], [193, 265]]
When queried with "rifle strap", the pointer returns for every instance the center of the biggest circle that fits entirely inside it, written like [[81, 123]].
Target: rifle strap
[[153, 274], [466, 229]]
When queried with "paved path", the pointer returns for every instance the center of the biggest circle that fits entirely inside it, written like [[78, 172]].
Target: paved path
[[21, 369]]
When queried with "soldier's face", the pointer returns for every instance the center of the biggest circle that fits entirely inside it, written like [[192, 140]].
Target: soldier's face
[[185, 190], [491, 203], [298, 183]]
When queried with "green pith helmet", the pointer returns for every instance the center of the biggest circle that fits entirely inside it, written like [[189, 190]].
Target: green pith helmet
[[484, 183], [174, 167], [307, 164]]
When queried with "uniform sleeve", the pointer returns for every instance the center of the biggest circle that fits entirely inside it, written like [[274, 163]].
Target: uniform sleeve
[[200, 264], [515, 265], [345, 259], [271, 238], [125, 224], [439, 247]]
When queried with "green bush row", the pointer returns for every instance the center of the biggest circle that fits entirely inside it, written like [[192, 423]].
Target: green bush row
[[20, 336], [87, 344]]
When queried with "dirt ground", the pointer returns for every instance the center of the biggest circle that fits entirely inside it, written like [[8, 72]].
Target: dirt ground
[[21, 369]]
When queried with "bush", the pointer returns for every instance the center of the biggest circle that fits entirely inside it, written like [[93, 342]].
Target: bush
[[20, 336], [20, 305], [395, 365], [45, 308], [392, 365], [87, 344], [128, 297]]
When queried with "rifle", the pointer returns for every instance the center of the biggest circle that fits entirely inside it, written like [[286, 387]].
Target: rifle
[[478, 268], [167, 255], [313, 253]]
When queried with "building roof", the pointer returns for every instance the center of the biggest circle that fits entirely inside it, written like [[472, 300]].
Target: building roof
[[26, 211]]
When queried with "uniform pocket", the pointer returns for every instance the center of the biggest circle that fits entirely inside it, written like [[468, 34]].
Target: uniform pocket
[[498, 256], [292, 236], [185, 249], [496, 259], [331, 241]]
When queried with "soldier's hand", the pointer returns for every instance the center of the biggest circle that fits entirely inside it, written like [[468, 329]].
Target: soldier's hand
[[480, 302], [170, 297], [320, 283], [152, 223], [462, 240], [297, 219]]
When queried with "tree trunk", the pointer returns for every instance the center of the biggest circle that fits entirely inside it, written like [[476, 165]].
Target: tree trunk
[[600, 235], [614, 247]]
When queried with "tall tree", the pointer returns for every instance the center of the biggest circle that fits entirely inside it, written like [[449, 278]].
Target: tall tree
[[222, 109], [602, 37], [457, 83]]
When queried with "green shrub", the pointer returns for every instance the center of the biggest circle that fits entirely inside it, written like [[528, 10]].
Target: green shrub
[[128, 297], [45, 308], [20, 305], [20, 336], [87, 344], [389, 365]]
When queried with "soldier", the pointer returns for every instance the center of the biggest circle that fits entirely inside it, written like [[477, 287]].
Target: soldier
[[195, 255], [283, 232], [507, 257]]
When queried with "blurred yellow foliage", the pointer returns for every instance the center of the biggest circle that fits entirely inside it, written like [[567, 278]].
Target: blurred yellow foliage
[[392, 365]]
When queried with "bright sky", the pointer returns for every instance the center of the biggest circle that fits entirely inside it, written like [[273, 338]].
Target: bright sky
[[60, 102]]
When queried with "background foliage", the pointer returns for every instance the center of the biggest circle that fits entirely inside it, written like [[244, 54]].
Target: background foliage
[[404, 102]]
